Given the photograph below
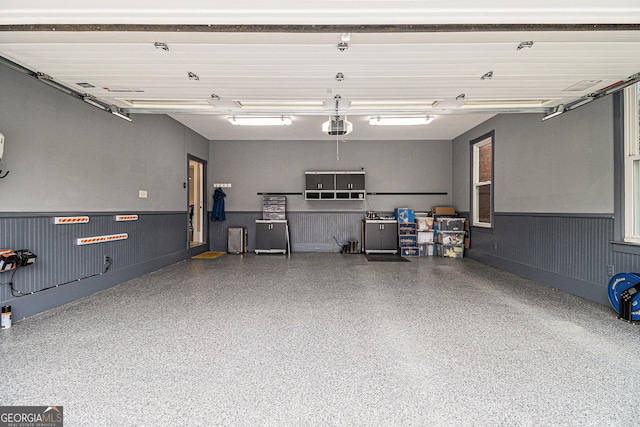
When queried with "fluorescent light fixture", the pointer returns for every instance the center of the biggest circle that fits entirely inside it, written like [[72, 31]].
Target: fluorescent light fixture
[[281, 105], [173, 104], [393, 105], [556, 112], [260, 121], [506, 103], [400, 121]]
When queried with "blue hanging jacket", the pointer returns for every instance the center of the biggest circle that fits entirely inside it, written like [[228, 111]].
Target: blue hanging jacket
[[217, 214]]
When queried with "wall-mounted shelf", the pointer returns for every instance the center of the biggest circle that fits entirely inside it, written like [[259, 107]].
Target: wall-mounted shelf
[[334, 185]]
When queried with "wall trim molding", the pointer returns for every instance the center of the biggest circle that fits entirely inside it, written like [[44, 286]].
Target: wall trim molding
[[557, 215], [625, 248], [85, 213]]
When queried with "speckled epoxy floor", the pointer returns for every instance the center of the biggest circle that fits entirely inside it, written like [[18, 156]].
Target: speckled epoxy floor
[[327, 340]]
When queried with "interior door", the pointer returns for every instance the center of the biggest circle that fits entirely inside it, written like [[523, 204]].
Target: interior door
[[196, 209]]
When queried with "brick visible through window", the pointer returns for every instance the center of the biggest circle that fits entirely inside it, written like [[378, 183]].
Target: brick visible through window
[[482, 152]]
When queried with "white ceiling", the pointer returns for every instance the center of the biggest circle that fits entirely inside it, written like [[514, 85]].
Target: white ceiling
[[426, 52]]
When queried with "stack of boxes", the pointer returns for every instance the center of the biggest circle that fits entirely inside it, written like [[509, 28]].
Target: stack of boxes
[[439, 232], [274, 207], [407, 232], [424, 227], [450, 232]]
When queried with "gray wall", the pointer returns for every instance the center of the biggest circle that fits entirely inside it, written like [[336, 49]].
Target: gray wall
[[562, 165], [278, 166], [554, 206], [66, 157]]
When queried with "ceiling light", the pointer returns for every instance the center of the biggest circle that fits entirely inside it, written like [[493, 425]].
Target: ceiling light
[[343, 46], [339, 77], [393, 105], [280, 105], [160, 45], [346, 37], [260, 121], [525, 44], [506, 103], [215, 97], [173, 104], [461, 97], [400, 121], [193, 76], [487, 76], [556, 112]]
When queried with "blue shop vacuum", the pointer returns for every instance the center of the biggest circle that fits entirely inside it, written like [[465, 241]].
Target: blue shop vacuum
[[624, 296]]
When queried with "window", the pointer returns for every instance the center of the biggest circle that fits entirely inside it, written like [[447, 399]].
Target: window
[[632, 164], [482, 181]]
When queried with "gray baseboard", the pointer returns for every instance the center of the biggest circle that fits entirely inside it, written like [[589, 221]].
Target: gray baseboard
[[592, 291], [30, 305]]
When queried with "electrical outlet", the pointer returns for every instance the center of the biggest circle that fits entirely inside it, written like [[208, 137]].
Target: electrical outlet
[[611, 271]]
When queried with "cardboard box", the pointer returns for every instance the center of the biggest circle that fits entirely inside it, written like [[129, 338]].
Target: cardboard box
[[443, 210], [404, 215]]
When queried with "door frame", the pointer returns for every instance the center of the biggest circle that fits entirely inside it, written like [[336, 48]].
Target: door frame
[[200, 212]]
